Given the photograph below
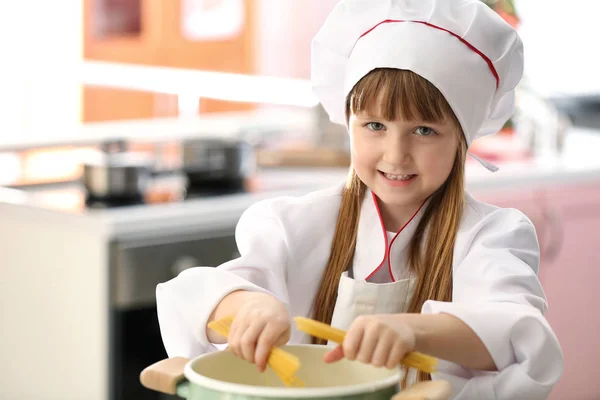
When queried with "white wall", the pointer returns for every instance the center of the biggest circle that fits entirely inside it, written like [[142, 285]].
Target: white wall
[[41, 46], [561, 40]]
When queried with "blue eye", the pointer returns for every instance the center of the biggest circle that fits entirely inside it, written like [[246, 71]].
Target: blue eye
[[425, 131], [375, 126]]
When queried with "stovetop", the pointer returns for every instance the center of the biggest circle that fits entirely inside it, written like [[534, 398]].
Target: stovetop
[[169, 190], [173, 188]]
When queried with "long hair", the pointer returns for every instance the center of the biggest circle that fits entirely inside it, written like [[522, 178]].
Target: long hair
[[406, 95]]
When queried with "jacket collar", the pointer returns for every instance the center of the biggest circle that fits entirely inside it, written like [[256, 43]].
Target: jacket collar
[[373, 248]]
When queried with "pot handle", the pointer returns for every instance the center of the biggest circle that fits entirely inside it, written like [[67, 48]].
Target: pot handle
[[164, 376], [429, 390]]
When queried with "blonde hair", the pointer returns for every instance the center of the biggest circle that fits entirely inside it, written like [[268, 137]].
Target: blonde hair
[[406, 95]]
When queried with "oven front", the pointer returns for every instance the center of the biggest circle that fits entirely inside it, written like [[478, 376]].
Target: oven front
[[137, 266]]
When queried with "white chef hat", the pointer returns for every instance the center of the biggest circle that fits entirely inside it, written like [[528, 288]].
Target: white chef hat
[[466, 50]]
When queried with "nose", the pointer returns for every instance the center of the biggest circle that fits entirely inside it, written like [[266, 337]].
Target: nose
[[397, 150]]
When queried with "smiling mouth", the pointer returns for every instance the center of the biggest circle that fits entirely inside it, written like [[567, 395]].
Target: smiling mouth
[[394, 177]]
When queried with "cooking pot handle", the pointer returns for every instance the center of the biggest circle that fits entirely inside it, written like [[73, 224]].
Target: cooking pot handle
[[429, 390], [166, 376]]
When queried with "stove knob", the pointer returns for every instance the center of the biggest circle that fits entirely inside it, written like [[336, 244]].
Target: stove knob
[[183, 263]]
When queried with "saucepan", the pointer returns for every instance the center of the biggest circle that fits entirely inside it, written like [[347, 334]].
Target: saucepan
[[115, 173], [223, 376], [210, 161]]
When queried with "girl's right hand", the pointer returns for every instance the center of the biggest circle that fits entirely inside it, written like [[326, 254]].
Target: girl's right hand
[[263, 322]]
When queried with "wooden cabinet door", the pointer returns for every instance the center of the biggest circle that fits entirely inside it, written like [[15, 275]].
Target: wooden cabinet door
[[235, 53], [138, 42], [154, 37], [135, 42]]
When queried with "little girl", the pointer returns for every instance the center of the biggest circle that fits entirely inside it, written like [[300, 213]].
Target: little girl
[[400, 255]]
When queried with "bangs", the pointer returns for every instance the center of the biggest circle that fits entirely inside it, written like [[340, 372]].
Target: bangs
[[398, 94]]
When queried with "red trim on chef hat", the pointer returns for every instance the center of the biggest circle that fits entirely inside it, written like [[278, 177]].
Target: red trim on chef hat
[[462, 47], [469, 45]]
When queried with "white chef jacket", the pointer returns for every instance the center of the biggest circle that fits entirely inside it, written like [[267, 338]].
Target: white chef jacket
[[285, 243]]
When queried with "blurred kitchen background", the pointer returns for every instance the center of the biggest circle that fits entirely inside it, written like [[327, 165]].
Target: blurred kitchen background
[[133, 134]]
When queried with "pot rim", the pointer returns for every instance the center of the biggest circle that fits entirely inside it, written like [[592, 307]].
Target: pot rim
[[287, 392], [118, 160]]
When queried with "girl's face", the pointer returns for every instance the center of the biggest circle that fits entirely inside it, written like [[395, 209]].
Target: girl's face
[[402, 162]]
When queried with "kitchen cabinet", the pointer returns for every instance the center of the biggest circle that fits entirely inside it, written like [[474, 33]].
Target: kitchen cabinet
[[127, 32], [566, 219], [149, 32], [570, 279]]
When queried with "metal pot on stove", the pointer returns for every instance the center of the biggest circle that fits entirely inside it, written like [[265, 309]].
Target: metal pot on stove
[[115, 174], [216, 161]]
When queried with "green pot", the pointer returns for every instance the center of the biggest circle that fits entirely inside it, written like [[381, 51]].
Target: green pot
[[223, 376]]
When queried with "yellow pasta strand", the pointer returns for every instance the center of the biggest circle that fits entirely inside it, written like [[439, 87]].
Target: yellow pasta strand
[[284, 364], [318, 329]]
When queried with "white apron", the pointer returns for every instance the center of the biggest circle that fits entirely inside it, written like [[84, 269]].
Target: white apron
[[359, 297]]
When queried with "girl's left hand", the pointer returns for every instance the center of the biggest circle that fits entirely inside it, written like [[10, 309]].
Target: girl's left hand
[[381, 340]]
